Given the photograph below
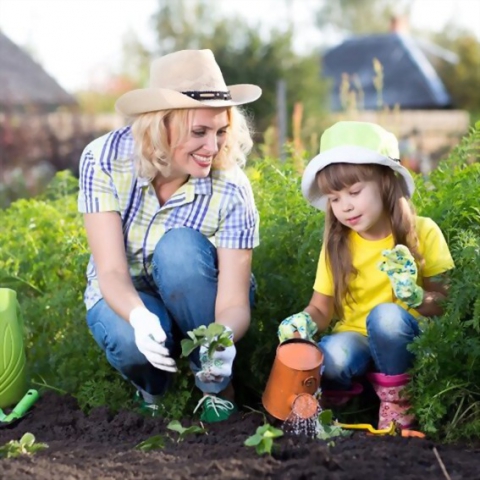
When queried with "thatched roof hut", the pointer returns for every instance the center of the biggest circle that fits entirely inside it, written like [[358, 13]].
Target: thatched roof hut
[[25, 85]]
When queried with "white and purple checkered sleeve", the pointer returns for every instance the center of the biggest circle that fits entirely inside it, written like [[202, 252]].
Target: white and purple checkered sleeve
[[97, 192], [239, 227]]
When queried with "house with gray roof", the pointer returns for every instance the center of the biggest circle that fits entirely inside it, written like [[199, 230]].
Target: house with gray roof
[[409, 78], [25, 85]]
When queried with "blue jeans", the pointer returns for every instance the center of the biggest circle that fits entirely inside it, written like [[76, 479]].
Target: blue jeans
[[390, 329], [185, 274]]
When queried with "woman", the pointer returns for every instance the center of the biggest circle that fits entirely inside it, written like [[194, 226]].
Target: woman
[[171, 223]]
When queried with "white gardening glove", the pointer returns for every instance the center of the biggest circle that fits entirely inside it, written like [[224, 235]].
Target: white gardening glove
[[150, 339], [219, 366]]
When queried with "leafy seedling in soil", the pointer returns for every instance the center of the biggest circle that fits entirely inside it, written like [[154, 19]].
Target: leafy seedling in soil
[[327, 430], [215, 337], [153, 443], [176, 426], [25, 446], [263, 438]]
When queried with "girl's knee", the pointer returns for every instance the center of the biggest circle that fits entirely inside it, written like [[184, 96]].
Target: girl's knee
[[336, 361], [386, 319]]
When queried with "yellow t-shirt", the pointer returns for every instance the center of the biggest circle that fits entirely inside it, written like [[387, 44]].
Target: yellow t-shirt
[[372, 287]]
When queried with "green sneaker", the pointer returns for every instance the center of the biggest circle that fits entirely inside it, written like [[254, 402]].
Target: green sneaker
[[215, 409], [145, 408]]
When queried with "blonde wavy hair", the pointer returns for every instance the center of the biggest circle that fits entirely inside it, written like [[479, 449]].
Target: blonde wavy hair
[[154, 148], [400, 210]]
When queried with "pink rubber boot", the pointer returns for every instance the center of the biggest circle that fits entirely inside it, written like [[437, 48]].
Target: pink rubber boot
[[393, 406], [338, 398]]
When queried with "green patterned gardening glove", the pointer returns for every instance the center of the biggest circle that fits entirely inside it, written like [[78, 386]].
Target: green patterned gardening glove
[[300, 322], [401, 269]]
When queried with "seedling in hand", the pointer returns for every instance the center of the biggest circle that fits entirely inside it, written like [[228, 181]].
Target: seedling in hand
[[214, 337], [263, 438], [25, 446]]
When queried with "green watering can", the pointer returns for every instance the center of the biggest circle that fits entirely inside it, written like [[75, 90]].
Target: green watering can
[[13, 378]]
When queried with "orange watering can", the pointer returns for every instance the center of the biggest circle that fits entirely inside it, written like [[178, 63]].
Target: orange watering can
[[294, 380]]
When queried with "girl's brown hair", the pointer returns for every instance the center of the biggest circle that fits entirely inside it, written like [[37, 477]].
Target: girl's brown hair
[[400, 210]]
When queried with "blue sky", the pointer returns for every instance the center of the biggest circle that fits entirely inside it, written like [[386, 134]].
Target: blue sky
[[79, 41]]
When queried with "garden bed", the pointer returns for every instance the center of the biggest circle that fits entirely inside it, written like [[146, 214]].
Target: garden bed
[[102, 446]]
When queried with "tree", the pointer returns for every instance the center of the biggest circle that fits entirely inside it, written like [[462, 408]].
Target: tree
[[243, 55], [361, 16], [462, 79]]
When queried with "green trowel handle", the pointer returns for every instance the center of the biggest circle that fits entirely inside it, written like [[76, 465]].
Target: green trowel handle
[[23, 406]]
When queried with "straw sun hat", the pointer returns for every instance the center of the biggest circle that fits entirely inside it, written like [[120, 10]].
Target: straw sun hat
[[357, 143], [186, 79]]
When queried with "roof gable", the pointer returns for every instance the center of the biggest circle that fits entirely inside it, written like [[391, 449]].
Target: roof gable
[[410, 80], [24, 82]]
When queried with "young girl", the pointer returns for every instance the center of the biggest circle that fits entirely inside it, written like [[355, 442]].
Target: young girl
[[380, 270]]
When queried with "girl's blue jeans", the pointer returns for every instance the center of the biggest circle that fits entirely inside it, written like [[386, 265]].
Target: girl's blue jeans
[[390, 329], [185, 273]]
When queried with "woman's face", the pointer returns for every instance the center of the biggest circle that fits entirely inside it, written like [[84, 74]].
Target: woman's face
[[206, 136]]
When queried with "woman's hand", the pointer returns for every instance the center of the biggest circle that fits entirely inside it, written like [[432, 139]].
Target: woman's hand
[[401, 269], [218, 367], [150, 339]]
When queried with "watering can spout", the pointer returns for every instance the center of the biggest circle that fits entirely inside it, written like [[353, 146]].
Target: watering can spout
[[294, 380]]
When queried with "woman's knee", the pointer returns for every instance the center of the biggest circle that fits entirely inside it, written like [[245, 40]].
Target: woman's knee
[[184, 255]]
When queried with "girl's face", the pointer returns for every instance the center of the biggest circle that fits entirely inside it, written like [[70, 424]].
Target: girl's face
[[206, 136], [360, 207]]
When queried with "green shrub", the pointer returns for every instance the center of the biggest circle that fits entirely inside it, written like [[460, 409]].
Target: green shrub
[[446, 386], [43, 256]]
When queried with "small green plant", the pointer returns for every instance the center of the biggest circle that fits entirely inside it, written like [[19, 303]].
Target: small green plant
[[214, 336], [176, 426], [153, 443], [326, 428], [263, 438], [25, 446]]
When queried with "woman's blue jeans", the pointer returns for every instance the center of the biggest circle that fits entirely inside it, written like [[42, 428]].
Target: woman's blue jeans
[[185, 273], [390, 329]]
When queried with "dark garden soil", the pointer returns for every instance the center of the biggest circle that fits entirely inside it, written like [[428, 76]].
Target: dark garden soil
[[101, 446]]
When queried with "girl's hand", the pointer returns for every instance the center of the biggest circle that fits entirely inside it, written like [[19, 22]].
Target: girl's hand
[[402, 271], [300, 322]]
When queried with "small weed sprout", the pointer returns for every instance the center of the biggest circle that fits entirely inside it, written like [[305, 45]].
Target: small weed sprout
[[176, 426], [25, 446], [327, 429], [263, 438], [156, 442]]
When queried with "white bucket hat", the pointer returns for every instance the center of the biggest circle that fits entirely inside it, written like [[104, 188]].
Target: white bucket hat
[[185, 79], [357, 143]]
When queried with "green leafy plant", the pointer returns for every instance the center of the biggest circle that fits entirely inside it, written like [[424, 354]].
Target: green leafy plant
[[263, 439], [327, 429], [215, 336], [25, 446], [153, 443], [176, 426]]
